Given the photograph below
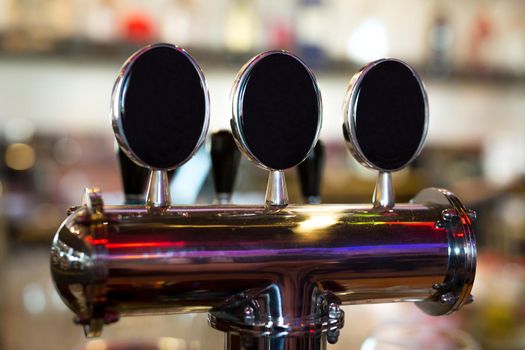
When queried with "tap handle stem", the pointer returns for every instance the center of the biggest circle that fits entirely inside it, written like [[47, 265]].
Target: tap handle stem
[[225, 157], [310, 173]]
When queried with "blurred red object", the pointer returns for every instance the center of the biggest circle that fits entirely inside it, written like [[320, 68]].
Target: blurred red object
[[138, 28]]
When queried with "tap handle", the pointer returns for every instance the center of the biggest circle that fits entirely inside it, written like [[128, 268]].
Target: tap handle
[[225, 157], [160, 113], [310, 173], [385, 121], [276, 116], [134, 179]]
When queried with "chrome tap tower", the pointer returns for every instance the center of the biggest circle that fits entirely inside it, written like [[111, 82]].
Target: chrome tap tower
[[274, 275]]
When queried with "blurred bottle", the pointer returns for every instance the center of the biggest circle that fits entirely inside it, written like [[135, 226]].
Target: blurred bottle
[[176, 22], [279, 25], [4, 7], [138, 27], [101, 22], [310, 29], [36, 25], [240, 27], [441, 39], [480, 34]]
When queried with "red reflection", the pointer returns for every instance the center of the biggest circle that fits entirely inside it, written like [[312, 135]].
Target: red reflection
[[96, 241], [162, 244], [428, 224], [413, 223], [145, 245]]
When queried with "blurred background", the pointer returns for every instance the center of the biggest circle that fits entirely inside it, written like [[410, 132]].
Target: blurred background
[[58, 62]]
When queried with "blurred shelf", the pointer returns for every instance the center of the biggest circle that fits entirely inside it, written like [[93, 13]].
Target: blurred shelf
[[83, 50]]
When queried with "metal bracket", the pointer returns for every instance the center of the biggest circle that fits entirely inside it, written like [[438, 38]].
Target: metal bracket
[[454, 292], [259, 314], [95, 293]]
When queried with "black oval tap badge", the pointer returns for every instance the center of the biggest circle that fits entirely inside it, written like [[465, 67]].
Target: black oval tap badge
[[386, 115], [276, 110], [160, 107]]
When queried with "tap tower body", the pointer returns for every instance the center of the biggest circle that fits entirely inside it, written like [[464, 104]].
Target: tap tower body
[[274, 275]]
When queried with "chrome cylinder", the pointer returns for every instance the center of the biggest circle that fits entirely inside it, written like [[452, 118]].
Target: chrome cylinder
[[238, 342], [263, 272]]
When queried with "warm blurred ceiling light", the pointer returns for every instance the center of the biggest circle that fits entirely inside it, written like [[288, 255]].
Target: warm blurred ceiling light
[[19, 156], [368, 42], [239, 31]]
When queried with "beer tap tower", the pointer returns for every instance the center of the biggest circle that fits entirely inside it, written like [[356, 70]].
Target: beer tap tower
[[274, 275]]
